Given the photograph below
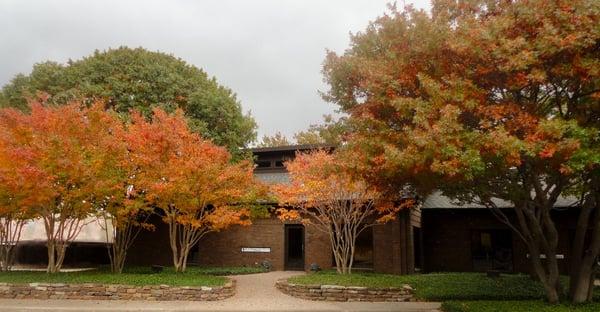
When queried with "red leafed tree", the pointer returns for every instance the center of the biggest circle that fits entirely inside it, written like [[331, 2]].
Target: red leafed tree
[[54, 173], [324, 194], [191, 180], [121, 212], [485, 100], [22, 187]]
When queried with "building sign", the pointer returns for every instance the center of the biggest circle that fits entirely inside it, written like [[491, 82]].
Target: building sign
[[256, 249]]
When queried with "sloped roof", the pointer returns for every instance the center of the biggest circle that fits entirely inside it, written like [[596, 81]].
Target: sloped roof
[[439, 201], [434, 201]]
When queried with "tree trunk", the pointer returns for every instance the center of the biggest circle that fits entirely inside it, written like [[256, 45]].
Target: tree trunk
[[51, 256], [580, 286], [540, 235], [6, 256], [584, 258], [10, 235]]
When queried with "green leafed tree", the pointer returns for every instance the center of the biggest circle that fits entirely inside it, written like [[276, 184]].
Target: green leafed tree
[[485, 100], [278, 139], [331, 132], [138, 79]]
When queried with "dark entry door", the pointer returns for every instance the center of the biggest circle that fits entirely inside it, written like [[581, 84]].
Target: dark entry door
[[294, 247]]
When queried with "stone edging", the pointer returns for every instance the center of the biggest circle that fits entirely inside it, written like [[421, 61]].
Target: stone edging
[[345, 293], [116, 292]]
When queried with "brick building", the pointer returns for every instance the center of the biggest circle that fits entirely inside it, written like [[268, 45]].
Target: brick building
[[467, 237], [439, 236], [386, 248]]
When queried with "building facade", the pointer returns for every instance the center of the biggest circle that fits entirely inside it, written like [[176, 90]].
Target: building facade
[[385, 248], [438, 236]]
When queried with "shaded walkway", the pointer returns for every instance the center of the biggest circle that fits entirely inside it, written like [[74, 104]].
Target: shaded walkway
[[255, 292]]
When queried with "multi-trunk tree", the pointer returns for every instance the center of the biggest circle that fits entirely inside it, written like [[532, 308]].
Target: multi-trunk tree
[[192, 181], [323, 194], [120, 211], [64, 166], [19, 194], [54, 170], [484, 100]]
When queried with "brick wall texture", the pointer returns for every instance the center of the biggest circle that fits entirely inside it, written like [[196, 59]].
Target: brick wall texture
[[391, 252]]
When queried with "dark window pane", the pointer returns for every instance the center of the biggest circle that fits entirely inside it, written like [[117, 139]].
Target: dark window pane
[[263, 164]]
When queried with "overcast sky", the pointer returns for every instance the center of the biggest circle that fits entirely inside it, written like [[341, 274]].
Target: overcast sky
[[269, 52]]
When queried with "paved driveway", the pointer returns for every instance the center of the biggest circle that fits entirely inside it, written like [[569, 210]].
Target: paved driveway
[[255, 292]]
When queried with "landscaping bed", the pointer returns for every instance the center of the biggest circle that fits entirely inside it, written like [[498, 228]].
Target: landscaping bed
[[461, 292], [94, 291], [437, 286], [345, 293], [135, 278], [142, 283], [515, 306]]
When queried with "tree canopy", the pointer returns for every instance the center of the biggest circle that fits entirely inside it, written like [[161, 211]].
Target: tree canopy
[[190, 179], [324, 194], [329, 132], [483, 99], [128, 79]]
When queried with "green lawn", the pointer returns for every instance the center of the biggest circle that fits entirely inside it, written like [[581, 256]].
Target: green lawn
[[194, 276], [515, 306], [202, 270], [439, 286], [461, 292]]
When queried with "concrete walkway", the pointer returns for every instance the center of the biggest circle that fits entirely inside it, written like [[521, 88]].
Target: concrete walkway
[[255, 292]]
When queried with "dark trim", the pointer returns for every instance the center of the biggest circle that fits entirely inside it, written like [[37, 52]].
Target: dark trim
[[290, 148]]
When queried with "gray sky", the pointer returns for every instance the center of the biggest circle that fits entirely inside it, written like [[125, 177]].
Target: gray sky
[[269, 52]]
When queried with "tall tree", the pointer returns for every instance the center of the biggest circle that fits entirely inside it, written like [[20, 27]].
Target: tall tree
[[323, 194], [278, 139], [20, 191], [121, 211], [330, 132], [139, 79], [484, 99], [191, 180], [54, 170]]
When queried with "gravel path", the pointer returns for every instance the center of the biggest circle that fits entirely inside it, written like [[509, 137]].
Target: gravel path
[[255, 292]]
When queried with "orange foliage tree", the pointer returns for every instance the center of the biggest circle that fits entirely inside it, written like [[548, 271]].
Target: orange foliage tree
[[22, 187], [191, 180], [485, 100], [54, 173], [121, 212], [324, 194]]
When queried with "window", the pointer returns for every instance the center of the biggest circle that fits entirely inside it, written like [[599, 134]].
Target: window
[[491, 250], [263, 164]]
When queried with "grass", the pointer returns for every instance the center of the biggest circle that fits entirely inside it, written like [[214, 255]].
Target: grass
[[461, 292], [515, 306], [140, 276], [439, 286], [202, 270]]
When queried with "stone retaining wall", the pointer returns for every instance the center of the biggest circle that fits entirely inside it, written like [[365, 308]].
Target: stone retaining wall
[[115, 292], [345, 293]]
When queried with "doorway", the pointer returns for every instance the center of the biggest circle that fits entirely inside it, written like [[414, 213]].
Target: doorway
[[294, 247]]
